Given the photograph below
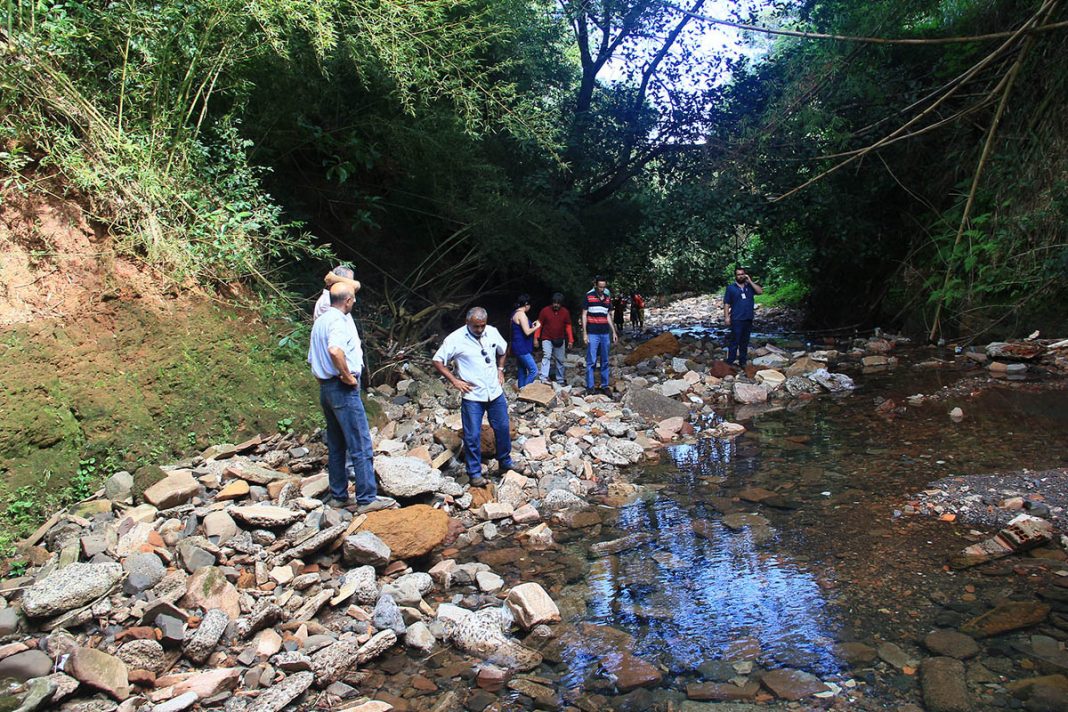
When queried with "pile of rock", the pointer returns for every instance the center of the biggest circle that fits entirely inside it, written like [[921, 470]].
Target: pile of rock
[[226, 583]]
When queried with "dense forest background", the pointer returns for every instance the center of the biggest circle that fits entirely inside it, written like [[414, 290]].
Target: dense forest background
[[891, 162]]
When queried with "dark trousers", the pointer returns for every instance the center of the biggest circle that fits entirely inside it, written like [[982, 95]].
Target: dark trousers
[[471, 413], [739, 343], [348, 440]]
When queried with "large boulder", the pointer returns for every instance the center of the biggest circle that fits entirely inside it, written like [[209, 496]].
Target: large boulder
[[654, 406], [406, 476], [69, 587], [409, 531], [663, 345]]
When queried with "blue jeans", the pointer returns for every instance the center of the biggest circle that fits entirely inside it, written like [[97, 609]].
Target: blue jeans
[[471, 413], [597, 350], [348, 440], [739, 344], [528, 370]]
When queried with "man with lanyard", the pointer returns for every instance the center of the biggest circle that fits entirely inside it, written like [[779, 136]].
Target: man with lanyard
[[478, 351], [598, 331], [336, 358], [738, 314]]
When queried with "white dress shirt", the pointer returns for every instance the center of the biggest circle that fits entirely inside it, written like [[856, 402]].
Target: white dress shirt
[[476, 360], [334, 328], [321, 304]]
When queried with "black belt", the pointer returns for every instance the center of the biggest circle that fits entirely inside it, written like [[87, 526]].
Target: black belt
[[335, 378]]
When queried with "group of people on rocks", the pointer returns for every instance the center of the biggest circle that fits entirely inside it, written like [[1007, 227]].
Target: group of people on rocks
[[477, 353]]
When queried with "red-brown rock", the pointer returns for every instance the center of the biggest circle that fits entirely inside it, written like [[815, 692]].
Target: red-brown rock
[[409, 532], [663, 345]]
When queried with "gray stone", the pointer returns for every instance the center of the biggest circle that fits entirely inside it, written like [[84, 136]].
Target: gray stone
[[143, 571], [266, 615], [193, 557], [362, 580], [198, 646], [560, 499], [25, 665], [418, 637], [653, 405], [364, 547], [312, 544], [280, 695], [142, 655], [220, 527], [617, 451], [69, 588], [39, 690], [266, 516], [10, 621], [119, 487], [406, 476], [945, 688], [387, 615], [176, 704]]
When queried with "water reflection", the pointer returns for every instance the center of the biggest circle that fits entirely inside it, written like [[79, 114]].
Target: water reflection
[[688, 598]]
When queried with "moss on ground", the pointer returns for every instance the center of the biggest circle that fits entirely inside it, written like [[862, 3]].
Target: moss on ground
[[133, 387]]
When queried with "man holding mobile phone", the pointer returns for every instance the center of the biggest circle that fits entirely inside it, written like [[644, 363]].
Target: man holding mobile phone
[[738, 314]]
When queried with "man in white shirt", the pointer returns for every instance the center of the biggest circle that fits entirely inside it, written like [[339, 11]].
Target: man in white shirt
[[478, 352], [336, 359]]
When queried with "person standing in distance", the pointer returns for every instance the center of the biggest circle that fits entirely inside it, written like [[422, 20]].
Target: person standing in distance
[[478, 352], [336, 359], [556, 337], [598, 331], [738, 314]]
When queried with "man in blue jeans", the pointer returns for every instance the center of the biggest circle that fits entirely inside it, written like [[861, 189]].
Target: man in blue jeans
[[598, 331], [738, 314], [478, 351], [336, 359]]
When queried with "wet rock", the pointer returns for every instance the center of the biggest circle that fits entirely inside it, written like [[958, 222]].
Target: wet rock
[[544, 697], [266, 516], [409, 532], [1008, 616], [176, 488], [856, 653], [99, 670], [208, 588], [1021, 350], [654, 406], [199, 645], [944, 685], [25, 665], [531, 605], [364, 548], [631, 672], [740, 520], [69, 588], [722, 692], [406, 476], [279, 696], [792, 684], [892, 654], [951, 644]]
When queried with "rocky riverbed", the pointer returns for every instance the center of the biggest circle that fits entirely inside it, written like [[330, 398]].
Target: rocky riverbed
[[672, 546]]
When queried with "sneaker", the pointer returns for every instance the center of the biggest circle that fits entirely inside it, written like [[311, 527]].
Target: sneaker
[[335, 503], [478, 481], [376, 504], [503, 467]]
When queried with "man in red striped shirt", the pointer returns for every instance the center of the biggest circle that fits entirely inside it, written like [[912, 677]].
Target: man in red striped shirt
[[598, 331]]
